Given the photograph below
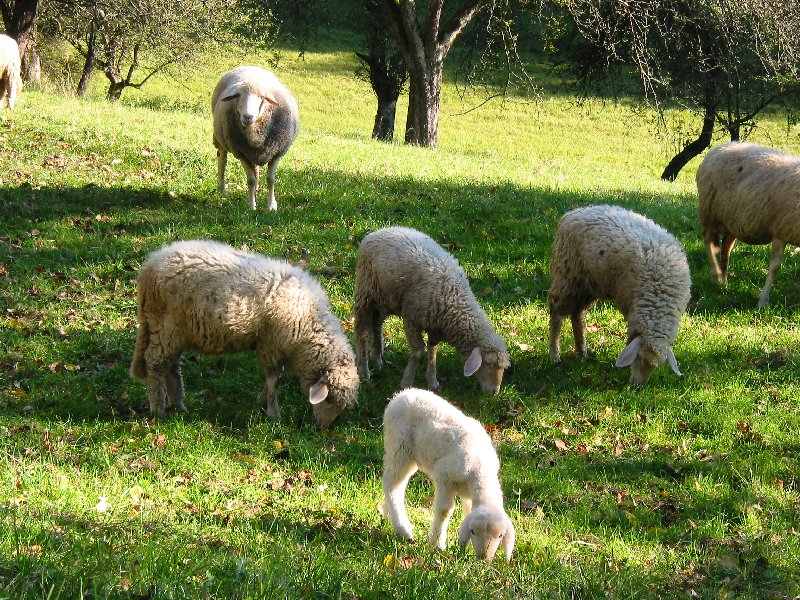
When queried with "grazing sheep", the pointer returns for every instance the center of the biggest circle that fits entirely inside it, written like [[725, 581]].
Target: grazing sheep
[[207, 296], [256, 119], [10, 80], [402, 271], [423, 431], [750, 193], [607, 252]]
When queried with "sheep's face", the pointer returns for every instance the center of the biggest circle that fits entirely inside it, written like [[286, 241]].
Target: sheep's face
[[488, 527], [490, 372], [249, 104], [643, 360], [333, 392], [325, 413]]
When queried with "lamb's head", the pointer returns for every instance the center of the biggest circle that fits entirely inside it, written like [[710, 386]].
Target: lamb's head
[[488, 366], [643, 359], [250, 102], [334, 391], [487, 527]]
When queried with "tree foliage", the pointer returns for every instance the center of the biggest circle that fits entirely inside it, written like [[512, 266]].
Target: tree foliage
[[726, 60], [129, 41]]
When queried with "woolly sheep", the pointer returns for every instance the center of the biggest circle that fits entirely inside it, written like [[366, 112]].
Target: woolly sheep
[[423, 431], [10, 80], [751, 193], [402, 271], [607, 252], [256, 119], [207, 296]]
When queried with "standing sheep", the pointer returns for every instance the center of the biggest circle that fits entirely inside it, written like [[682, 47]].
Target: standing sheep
[[402, 271], [423, 431], [751, 193], [10, 80], [256, 119], [607, 252], [207, 296]]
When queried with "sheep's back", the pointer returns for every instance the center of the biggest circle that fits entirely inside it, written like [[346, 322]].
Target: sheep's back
[[753, 191]]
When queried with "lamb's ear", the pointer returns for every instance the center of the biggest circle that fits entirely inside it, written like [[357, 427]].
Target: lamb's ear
[[464, 532], [473, 362], [319, 391], [509, 538], [629, 353], [673, 362]]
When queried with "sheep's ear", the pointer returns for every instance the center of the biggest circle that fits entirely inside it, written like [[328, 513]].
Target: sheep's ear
[[473, 362], [509, 538], [673, 362], [229, 95], [270, 98], [319, 391], [464, 532], [629, 353]]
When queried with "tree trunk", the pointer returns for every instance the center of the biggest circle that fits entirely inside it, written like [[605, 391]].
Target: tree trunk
[[89, 63], [384, 120], [115, 86], [424, 100], [702, 142]]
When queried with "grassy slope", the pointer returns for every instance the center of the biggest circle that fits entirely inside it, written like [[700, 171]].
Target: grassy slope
[[688, 485]]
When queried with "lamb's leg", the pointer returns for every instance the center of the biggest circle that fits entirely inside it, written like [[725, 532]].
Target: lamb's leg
[[174, 384], [778, 246], [433, 347], [414, 335], [555, 336], [273, 165], [466, 506], [578, 318], [397, 470], [252, 182], [443, 506], [725, 256], [222, 162]]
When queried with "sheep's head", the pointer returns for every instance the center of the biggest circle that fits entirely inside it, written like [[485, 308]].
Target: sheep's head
[[487, 527], [333, 392], [250, 103], [643, 360], [488, 367]]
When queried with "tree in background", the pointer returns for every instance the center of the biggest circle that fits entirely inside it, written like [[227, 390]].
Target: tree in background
[[19, 21], [132, 40], [725, 60]]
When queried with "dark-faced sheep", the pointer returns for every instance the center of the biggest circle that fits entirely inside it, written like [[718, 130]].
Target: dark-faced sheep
[[256, 119]]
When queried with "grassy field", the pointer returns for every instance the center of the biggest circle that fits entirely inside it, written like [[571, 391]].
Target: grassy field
[[687, 488]]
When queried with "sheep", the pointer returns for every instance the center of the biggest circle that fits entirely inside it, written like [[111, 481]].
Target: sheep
[[425, 432], [402, 271], [751, 193], [608, 252], [207, 296], [256, 119], [10, 80]]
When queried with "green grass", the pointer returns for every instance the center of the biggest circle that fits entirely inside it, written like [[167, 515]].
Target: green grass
[[687, 487]]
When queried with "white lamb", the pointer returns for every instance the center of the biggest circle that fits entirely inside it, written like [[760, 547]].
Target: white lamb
[[10, 80], [402, 271], [607, 252], [423, 431], [751, 193], [256, 119], [207, 296]]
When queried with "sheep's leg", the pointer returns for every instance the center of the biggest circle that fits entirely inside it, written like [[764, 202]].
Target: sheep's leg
[[268, 399], [712, 246], [377, 340], [433, 347], [222, 163], [252, 182], [273, 165], [396, 473], [578, 318], [366, 327], [725, 256], [414, 335], [174, 385], [778, 246], [555, 336], [466, 506], [156, 388], [443, 507]]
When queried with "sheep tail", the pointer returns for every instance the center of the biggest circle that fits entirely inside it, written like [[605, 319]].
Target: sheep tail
[[138, 368]]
